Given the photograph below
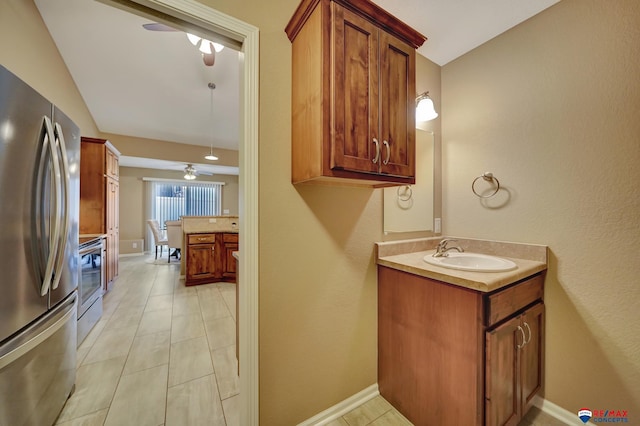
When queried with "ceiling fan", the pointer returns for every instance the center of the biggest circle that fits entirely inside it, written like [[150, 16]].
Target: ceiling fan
[[206, 47]]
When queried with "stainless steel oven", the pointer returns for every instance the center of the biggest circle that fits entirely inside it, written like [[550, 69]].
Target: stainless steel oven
[[90, 283]]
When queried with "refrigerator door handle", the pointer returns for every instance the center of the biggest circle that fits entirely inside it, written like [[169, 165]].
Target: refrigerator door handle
[[54, 232], [37, 334], [65, 202]]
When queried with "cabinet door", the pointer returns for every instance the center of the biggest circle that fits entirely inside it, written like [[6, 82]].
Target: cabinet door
[[502, 374], [201, 261], [356, 145], [229, 262], [397, 100], [111, 164], [112, 221], [532, 355]]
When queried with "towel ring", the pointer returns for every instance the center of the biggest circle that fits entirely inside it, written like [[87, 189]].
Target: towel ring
[[406, 194], [489, 177]]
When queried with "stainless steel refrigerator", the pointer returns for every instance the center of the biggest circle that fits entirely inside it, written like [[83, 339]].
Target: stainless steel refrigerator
[[39, 190]]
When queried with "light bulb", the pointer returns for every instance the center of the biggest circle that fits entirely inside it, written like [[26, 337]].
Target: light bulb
[[194, 39], [205, 47], [425, 110]]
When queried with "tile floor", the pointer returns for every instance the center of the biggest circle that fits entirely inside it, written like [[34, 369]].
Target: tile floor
[[162, 354], [378, 412]]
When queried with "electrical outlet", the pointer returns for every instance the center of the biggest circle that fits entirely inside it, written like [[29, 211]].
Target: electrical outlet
[[437, 225], [225, 211], [213, 220], [135, 245]]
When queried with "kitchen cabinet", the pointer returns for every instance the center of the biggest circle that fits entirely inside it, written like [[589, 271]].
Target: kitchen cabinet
[[476, 357], [210, 258], [353, 94], [99, 198]]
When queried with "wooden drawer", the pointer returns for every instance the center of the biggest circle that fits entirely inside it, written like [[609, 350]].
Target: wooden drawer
[[502, 304], [230, 238], [202, 238]]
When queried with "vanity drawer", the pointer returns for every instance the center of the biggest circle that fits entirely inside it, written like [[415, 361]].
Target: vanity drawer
[[202, 238], [503, 304]]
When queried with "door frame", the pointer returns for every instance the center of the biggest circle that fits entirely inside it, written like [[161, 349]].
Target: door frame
[[227, 29]]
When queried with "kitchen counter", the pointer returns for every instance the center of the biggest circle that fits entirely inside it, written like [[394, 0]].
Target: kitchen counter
[[210, 224], [407, 256]]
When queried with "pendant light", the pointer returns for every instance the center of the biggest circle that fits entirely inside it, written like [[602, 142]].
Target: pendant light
[[425, 110], [210, 156]]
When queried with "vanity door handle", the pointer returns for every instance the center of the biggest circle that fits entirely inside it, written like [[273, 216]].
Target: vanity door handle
[[524, 339], [377, 157], [386, 161], [529, 330]]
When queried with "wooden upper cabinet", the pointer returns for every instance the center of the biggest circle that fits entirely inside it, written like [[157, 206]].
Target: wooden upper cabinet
[[353, 94]]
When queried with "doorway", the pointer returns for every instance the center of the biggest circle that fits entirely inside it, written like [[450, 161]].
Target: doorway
[[191, 14]]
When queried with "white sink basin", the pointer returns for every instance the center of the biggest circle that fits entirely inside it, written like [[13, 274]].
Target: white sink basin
[[471, 262]]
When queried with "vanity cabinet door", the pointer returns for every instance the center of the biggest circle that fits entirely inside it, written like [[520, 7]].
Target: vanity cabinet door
[[514, 366], [502, 378], [532, 355]]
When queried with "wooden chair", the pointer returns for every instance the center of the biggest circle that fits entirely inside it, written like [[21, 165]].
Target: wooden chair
[[158, 235]]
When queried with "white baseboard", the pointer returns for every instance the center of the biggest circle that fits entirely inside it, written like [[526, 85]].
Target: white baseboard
[[557, 411], [343, 407], [130, 254]]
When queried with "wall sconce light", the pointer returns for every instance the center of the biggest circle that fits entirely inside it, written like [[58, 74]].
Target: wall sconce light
[[425, 110], [190, 172]]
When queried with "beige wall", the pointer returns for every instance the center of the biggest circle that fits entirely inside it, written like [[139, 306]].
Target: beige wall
[[552, 108], [318, 291], [170, 151], [27, 50], [133, 219]]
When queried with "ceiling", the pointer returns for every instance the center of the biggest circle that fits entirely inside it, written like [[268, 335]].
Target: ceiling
[[153, 84]]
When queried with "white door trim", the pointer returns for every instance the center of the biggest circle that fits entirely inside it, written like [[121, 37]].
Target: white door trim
[[198, 14]]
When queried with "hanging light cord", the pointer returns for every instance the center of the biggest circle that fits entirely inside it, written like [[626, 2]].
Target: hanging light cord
[[211, 86]]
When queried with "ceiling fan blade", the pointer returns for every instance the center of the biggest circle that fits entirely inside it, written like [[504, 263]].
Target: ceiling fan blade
[[156, 26]]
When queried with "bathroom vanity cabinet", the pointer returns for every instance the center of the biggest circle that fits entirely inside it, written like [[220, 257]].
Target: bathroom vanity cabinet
[[353, 94], [452, 355], [210, 257]]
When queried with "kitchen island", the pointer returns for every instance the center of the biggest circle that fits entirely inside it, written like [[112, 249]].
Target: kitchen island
[[209, 243]]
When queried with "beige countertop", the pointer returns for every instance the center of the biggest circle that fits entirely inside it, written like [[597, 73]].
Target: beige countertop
[[210, 224], [408, 256], [204, 231]]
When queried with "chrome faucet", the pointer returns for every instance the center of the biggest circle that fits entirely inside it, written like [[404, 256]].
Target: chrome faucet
[[442, 249]]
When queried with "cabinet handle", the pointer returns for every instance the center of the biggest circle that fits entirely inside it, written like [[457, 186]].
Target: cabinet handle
[[529, 330], [524, 339], [386, 161], [377, 157]]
